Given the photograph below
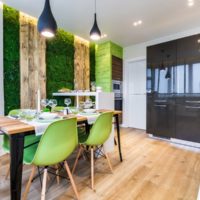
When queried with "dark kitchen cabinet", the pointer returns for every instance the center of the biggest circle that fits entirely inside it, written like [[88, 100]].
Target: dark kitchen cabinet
[[173, 102], [188, 50], [188, 119], [162, 117], [162, 55]]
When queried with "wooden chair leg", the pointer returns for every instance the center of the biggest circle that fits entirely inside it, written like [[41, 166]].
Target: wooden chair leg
[[44, 182], [72, 180], [57, 174], [109, 163], [92, 168], [77, 157], [108, 159], [29, 183], [7, 172]]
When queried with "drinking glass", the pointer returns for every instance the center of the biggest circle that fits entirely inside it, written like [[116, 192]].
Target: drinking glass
[[67, 101], [44, 102], [52, 103]]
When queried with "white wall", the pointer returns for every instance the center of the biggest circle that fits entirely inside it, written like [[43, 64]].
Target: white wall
[[1, 61], [138, 52]]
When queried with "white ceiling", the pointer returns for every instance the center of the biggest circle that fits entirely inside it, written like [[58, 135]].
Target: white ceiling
[[115, 17]]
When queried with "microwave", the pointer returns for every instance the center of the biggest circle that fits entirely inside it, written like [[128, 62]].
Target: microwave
[[117, 86]]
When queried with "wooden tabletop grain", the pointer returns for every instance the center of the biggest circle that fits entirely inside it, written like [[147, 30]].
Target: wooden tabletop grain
[[14, 126]]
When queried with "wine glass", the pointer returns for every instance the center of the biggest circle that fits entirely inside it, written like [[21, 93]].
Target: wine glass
[[44, 102], [52, 103], [67, 102]]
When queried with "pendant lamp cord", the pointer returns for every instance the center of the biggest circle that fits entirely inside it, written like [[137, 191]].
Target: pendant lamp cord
[[95, 6]]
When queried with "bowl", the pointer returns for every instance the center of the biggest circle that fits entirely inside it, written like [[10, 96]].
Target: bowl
[[48, 116], [89, 110]]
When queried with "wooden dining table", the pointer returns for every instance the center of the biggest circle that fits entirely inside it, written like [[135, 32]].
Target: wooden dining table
[[18, 130]]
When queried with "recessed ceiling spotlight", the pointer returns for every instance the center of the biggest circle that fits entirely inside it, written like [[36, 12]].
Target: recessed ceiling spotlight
[[104, 35], [139, 22], [190, 3]]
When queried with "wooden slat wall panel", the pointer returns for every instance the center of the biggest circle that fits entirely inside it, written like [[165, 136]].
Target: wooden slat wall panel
[[32, 62], [81, 64]]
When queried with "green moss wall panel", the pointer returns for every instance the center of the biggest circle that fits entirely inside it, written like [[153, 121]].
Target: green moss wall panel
[[92, 62], [116, 50], [103, 66], [11, 59], [60, 62]]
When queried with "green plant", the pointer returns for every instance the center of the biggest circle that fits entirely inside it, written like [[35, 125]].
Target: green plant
[[60, 63], [11, 58]]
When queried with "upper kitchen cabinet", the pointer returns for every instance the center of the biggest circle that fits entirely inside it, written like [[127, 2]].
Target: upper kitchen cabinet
[[188, 50], [161, 63], [109, 65], [162, 55]]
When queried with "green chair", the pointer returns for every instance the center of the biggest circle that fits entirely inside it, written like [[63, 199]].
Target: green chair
[[29, 140], [57, 143], [99, 133]]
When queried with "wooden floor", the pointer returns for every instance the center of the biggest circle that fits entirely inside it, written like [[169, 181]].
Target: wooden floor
[[151, 170]]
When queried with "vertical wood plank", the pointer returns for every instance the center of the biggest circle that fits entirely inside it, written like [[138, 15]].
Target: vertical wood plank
[[81, 64], [32, 62]]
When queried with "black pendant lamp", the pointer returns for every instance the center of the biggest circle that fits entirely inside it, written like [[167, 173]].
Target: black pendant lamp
[[95, 33], [46, 23]]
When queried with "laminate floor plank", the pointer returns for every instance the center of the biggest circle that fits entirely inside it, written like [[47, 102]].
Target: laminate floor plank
[[151, 170]]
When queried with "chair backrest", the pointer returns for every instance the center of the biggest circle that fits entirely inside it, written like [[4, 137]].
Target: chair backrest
[[6, 141], [57, 143], [101, 129]]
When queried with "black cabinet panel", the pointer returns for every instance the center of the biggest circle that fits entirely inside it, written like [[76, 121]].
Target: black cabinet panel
[[162, 117], [162, 55], [188, 50], [188, 119]]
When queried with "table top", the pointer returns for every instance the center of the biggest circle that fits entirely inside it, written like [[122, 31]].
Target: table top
[[15, 126]]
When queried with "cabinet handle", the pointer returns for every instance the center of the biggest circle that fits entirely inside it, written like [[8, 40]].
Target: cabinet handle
[[192, 101], [193, 107], [160, 101], [161, 106]]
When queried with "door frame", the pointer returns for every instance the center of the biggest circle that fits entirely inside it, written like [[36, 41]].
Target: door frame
[[126, 86]]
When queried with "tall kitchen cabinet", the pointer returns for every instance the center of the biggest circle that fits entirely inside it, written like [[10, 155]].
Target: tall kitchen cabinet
[[173, 87]]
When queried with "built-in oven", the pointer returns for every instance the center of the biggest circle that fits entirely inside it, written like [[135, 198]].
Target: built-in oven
[[117, 86], [117, 89]]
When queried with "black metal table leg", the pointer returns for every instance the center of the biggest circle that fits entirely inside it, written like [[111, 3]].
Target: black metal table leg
[[16, 165], [118, 136]]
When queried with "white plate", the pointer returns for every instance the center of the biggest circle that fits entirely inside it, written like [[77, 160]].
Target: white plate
[[89, 110], [48, 116]]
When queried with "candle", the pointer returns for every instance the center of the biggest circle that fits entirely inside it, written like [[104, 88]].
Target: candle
[[38, 100]]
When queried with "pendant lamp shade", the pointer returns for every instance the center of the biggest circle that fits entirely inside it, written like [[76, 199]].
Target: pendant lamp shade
[[46, 23], [95, 33]]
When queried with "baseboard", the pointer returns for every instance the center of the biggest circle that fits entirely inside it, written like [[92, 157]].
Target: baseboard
[[179, 143]]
